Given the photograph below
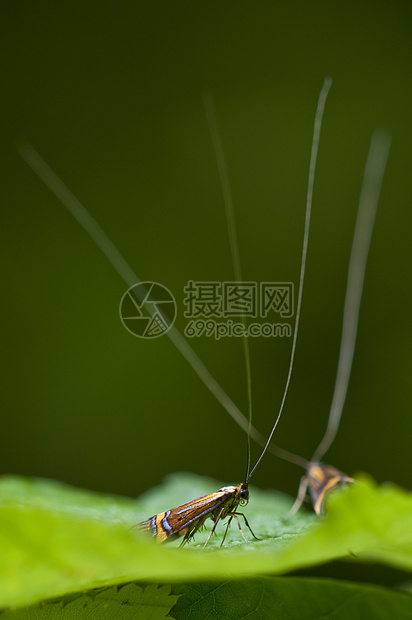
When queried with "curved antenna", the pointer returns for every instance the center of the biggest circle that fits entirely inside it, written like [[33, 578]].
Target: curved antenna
[[118, 262], [234, 245], [368, 203], [311, 179]]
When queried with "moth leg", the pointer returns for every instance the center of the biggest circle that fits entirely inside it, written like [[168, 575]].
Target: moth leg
[[303, 486], [247, 525], [227, 528], [231, 515], [214, 526], [236, 515], [187, 536]]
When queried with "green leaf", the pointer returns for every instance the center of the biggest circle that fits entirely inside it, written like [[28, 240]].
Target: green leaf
[[293, 597], [55, 540], [130, 601], [266, 597]]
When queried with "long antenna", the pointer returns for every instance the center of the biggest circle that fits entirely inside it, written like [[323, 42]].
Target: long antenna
[[311, 179], [368, 203], [234, 245], [118, 262]]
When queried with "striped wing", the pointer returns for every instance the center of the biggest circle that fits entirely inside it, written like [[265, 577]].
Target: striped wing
[[186, 519], [322, 479]]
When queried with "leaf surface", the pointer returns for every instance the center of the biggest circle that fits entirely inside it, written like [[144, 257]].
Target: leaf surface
[[55, 540]]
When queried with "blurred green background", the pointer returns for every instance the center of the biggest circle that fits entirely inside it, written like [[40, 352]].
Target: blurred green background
[[111, 96]]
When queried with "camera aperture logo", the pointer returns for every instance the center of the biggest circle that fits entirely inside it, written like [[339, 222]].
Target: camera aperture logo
[[148, 310]]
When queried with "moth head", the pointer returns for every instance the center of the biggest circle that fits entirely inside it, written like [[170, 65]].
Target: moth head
[[243, 493]]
